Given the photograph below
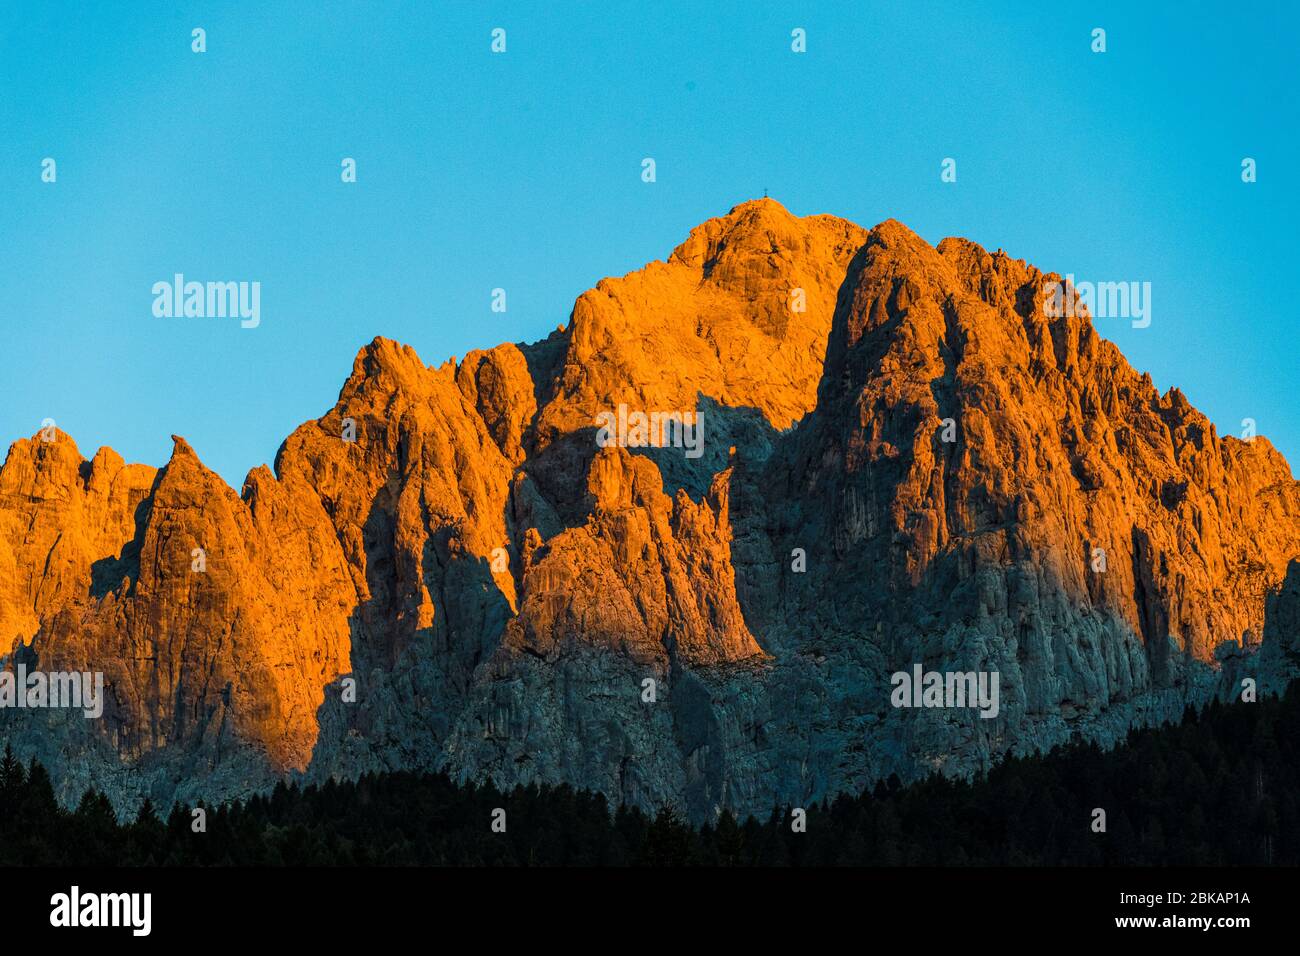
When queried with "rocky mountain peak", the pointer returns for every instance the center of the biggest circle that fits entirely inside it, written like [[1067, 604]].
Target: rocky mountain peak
[[902, 459]]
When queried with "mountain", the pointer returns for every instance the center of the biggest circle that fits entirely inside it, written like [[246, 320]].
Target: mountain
[[886, 455]]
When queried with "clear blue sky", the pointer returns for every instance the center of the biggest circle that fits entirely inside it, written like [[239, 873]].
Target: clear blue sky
[[522, 171]]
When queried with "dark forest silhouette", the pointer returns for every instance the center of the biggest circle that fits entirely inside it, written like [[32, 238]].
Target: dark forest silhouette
[[1221, 788]]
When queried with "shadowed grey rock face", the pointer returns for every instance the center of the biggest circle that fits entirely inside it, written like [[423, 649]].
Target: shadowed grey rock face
[[920, 470]]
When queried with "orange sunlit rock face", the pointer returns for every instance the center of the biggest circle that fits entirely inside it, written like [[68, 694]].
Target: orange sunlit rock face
[[902, 459]]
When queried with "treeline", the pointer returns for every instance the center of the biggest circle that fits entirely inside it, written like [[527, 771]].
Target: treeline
[[1221, 788]]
